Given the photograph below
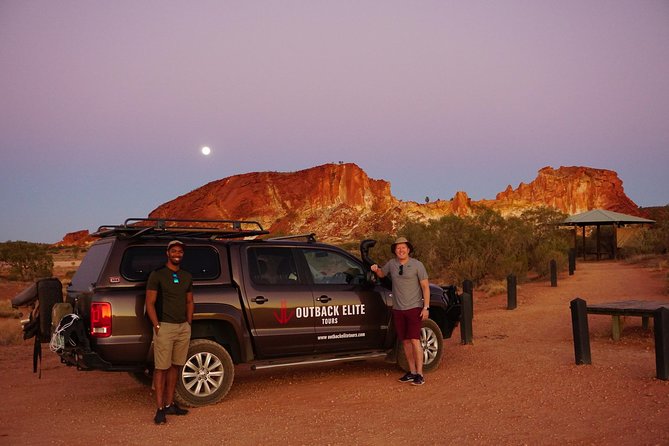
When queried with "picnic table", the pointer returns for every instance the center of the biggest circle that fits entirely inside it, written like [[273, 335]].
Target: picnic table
[[617, 310]]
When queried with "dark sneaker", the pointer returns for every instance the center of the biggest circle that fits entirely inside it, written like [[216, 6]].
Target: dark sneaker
[[418, 380], [174, 409], [160, 417], [407, 378]]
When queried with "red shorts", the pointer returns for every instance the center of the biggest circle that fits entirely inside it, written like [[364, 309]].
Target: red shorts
[[408, 323]]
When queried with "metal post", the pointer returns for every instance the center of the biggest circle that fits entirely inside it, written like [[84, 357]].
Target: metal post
[[466, 319], [572, 261], [511, 303], [661, 327], [468, 288], [553, 273], [579, 325], [598, 243]]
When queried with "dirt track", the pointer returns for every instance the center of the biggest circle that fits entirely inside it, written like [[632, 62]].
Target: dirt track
[[517, 384]]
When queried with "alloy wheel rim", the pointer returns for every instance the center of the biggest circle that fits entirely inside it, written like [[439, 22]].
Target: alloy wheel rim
[[202, 374]]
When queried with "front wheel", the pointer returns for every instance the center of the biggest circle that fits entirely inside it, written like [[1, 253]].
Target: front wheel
[[432, 342], [207, 375]]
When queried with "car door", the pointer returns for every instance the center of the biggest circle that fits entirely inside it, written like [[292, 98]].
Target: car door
[[279, 300], [350, 313]]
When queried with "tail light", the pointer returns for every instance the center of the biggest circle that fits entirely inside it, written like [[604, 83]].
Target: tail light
[[101, 319]]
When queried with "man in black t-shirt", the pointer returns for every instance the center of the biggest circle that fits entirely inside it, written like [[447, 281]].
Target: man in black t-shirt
[[169, 305]]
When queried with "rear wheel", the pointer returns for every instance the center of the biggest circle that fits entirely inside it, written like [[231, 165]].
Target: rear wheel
[[432, 342], [207, 375]]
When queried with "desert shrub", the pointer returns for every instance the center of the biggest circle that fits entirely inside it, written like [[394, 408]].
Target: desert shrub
[[485, 246], [548, 242], [656, 239], [10, 332], [494, 287], [27, 261], [10, 327], [7, 311]]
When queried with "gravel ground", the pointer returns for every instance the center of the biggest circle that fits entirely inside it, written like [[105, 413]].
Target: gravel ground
[[517, 384]]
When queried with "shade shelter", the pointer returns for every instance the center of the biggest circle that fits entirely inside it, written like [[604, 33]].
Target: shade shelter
[[599, 218]]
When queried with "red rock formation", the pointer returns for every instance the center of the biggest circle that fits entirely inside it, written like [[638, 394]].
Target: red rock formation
[[78, 238], [571, 190], [340, 202], [330, 199]]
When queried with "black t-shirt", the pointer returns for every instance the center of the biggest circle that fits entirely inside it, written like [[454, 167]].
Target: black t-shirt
[[172, 287]]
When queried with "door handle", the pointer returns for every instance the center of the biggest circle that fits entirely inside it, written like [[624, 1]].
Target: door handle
[[260, 299], [323, 299]]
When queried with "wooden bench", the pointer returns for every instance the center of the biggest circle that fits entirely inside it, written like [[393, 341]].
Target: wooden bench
[[641, 308]]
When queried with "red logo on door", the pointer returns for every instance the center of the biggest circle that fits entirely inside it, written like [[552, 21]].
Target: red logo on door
[[283, 317]]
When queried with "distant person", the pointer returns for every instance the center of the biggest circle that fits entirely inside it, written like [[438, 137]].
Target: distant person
[[169, 305], [411, 300]]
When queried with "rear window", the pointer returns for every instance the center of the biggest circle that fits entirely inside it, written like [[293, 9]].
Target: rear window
[[138, 262], [91, 266]]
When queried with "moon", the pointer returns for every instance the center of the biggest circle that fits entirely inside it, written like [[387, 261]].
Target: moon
[[206, 150]]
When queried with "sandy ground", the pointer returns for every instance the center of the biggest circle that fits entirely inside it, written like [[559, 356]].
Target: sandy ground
[[517, 384]]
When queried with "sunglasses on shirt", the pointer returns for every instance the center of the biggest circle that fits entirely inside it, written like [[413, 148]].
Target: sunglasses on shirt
[[175, 278], [401, 269]]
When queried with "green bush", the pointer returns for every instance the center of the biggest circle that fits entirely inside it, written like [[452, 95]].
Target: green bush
[[26, 261], [484, 246], [656, 239]]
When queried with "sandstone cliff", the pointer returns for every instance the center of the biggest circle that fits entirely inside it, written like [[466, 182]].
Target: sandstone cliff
[[570, 189], [340, 202]]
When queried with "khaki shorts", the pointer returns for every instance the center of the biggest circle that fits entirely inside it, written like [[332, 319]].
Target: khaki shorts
[[170, 345]]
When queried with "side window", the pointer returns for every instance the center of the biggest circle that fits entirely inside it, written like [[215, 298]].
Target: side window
[[138, 262], [272, 266], [89, 271], [333, 268]]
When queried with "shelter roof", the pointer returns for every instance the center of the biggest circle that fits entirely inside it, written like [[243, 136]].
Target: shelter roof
[[603, 217]]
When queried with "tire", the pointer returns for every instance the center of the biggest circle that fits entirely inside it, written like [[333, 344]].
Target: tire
[[49, 293], [433, 347], [207, 375]]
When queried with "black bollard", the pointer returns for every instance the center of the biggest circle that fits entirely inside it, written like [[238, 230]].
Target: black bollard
[[468, 287], [579, 325], [572, 261], [511, 303], [553, 273], [466, 319], [661, 328]]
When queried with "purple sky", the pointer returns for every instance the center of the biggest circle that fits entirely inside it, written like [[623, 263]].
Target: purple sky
[[104, 105]]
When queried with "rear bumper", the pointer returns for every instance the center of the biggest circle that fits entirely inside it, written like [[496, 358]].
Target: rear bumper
[[89, 360]]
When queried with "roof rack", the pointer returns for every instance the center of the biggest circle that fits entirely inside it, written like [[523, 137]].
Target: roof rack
[[171, 227], [311, 238]]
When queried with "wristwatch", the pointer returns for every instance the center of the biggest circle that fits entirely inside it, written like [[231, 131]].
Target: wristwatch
[[157, 326]]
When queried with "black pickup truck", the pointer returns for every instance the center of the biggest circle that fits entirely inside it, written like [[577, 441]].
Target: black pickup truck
[[261, 301]]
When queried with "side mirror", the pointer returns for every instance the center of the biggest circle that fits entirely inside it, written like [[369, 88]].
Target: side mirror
[[365, 246]]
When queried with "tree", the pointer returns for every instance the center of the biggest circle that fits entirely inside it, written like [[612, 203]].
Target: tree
[[26, 261]]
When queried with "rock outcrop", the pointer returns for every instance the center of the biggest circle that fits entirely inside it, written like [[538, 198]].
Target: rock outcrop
[[339, 202], [570, 189], [77, 238]]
